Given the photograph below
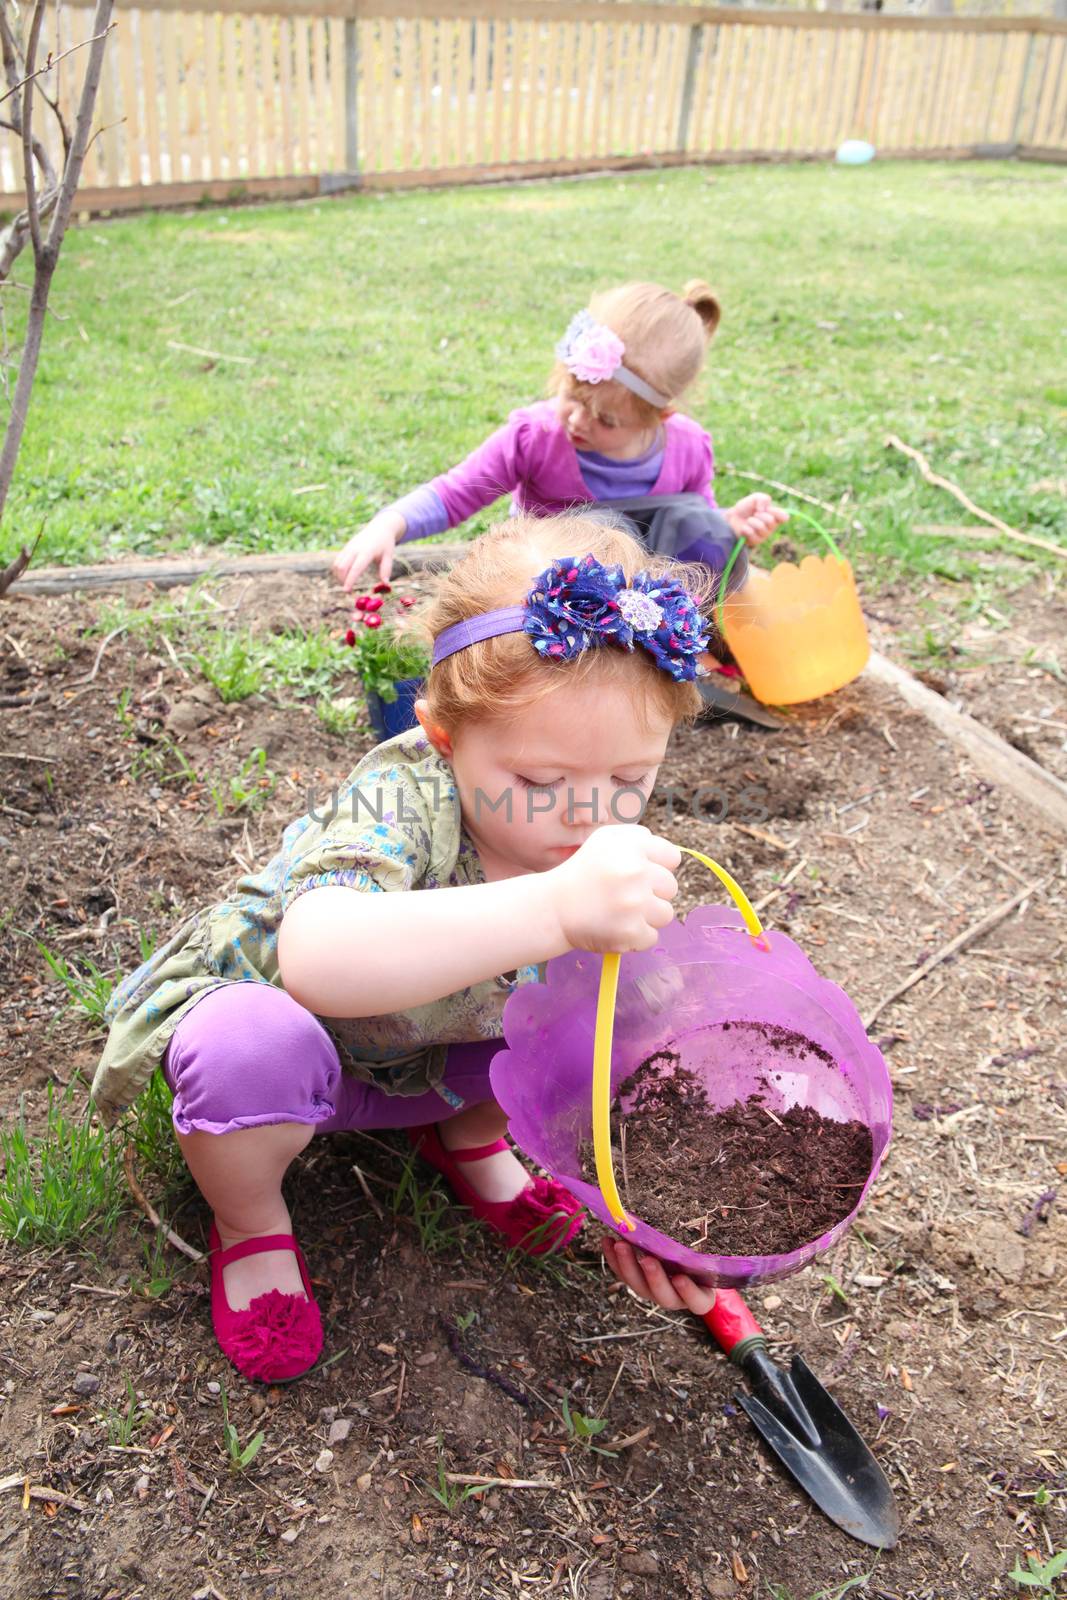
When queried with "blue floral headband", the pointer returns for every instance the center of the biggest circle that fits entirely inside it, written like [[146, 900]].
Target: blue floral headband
[[578, 605], [592, 353]]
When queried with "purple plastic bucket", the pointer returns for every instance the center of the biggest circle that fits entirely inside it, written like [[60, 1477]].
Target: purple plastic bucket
[[705, 973]]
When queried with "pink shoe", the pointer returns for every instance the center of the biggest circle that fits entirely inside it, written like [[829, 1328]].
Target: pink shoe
[[542, 1219], [278, 1336]]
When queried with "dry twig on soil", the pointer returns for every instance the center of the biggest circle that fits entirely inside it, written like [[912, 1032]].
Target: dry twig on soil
[[976, 511], [975, 931], [150, 1212], [798, 494]]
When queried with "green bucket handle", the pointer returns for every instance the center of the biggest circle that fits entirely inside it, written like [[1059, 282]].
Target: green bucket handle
[[803, 516]]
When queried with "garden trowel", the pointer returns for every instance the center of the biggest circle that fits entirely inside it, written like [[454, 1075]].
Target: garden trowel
[[806, 1429], [725, 701]]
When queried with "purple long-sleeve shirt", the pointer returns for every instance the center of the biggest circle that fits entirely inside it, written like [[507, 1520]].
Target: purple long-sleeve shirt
[[532, 459]]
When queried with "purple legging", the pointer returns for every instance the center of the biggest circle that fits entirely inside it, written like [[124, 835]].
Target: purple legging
[[247, 1055]]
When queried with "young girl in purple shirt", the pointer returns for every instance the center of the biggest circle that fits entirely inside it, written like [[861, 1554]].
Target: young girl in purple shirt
[[609, 433]]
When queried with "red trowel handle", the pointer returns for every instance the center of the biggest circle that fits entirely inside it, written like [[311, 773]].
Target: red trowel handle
[[732, 1325]]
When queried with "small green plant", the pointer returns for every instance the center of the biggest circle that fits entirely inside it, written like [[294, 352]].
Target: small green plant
[[150, 1129], [429, 1209], [241, 1457], [1042, 1497], [1042, 1576], [386, 656], [127, 722], [1049, 664], [164, 762], [779, 1591], [834, 1288], [231, 664], [582, 1429], [61, 1184], [158, 1280], [88, 989], [339, 716], [123, 1424], [248, 788], [308, 662], [450, 1495], [465, 1319]]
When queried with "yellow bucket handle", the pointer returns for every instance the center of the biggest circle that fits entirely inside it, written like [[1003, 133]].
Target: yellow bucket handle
[[604, 1034]]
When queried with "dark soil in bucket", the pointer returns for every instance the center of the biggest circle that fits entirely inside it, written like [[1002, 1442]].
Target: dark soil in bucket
[[741, 1181]]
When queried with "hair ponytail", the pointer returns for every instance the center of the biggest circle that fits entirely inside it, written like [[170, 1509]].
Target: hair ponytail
[[700, 296]]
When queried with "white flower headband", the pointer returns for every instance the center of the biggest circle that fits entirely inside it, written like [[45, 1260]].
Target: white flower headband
[[592, 353]]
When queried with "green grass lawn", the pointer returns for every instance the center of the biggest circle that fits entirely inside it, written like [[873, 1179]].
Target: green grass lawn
[[383, 336]]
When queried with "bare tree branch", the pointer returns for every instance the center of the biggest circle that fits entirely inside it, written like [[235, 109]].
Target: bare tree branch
[[13, 241], [29, 175], [44, 160], [13, 238], [72, 169], [10, 54], [45, 247], [16, 568], [50, 62]]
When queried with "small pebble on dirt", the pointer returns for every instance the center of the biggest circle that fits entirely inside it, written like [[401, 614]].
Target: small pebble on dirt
[[214, 1388], [86, 1383], [323, 1461], [257, 1405], [340, 1430], [642, 1563]]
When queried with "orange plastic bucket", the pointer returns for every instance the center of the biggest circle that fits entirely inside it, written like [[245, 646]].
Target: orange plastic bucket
[[796, 632]]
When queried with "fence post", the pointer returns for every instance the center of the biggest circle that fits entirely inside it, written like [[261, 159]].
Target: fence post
[[1017, 128], [351, 97], [692, 61]]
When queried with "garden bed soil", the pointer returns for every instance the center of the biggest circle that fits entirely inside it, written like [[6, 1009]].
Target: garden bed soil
[[937, 1322], [760, 1182]]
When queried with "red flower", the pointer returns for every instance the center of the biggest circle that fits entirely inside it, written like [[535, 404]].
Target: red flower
[[383, 588], [360, 602], [350, 636], [371, 602], [407, 599], [372, 620]]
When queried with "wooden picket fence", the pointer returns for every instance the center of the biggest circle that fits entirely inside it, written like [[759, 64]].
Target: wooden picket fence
[[227, 99]]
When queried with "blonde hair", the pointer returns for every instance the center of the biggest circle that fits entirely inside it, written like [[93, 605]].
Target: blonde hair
[[666, 337], [504, 676]]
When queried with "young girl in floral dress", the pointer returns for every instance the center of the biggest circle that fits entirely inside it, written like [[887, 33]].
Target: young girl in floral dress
[[332, 991]]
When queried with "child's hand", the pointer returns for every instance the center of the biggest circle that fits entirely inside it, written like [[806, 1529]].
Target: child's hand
[[375, 542], [755, 517], [616, 892], [647, 1277]]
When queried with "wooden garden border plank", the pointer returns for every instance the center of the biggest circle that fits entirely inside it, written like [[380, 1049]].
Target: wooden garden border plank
[[170, 573], [991, 754]]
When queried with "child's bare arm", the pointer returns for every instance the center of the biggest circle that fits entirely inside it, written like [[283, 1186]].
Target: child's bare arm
[[375, 541], [347, 954], [343, 953]]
